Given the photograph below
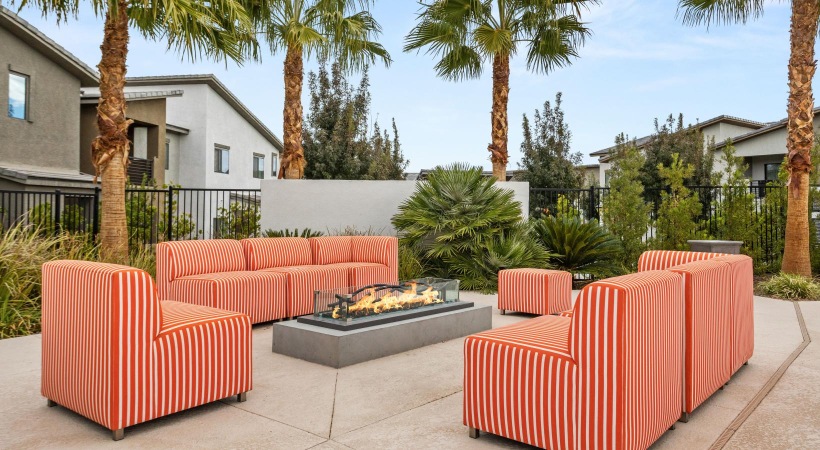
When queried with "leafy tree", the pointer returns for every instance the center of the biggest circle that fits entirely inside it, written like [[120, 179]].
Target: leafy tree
[[326, 28], [679, 207], [219, 29], [673, 137], [466, 34], [387, 161], [800, 124], [239, 221], [736, 207], [336, 141], [547, 161], [625, 213]]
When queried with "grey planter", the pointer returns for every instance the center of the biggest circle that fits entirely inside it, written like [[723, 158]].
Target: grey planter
[[732, 247]]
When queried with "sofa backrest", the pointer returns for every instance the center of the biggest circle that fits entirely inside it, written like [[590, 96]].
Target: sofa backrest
[[331, 249], [266, 253], [182, 258], [743, 341], [98, 325], [627, 339], [664, 259], [377, 249], [707, 295]]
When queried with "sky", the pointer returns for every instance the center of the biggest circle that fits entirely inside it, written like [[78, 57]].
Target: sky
[[640, 63]]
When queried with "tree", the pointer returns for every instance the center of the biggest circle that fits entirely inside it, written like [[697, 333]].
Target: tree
[[465, 34], [324, 27], [625, 213], [547, 161], [219, 29], [335, 139], [736, 208], [679, 206], [800, 115]]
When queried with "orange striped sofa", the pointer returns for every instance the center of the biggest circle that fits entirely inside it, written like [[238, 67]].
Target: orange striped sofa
[[114, 353], [719, 296], [534, 291], [608, 377], [272, 278]]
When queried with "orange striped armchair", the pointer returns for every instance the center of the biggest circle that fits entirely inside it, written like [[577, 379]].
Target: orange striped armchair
[[609, 377], [114, 353]]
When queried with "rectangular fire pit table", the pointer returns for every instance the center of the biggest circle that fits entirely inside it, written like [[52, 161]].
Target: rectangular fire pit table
[[353, 325]]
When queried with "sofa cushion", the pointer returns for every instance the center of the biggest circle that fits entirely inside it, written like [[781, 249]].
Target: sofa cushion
[[264, 253], [362, 273], [331, 249], [260, 295], [302, 281], [743, 320]]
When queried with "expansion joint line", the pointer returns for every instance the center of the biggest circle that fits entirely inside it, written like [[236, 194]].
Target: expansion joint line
[[744, 414]]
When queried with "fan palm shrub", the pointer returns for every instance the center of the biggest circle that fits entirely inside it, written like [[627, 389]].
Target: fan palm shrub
[[462, 225], [579, 247]]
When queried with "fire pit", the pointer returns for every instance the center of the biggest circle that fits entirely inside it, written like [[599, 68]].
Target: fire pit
[[354, 325], [376, 304]]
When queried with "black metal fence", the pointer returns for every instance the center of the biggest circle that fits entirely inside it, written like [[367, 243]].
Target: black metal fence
[[152, 215], [765, 207]]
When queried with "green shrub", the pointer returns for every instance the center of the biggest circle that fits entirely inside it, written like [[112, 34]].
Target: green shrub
[[23, 250], [239, 221], [351, 230], [462, 225], [625, 213], [579, 247], [305, 233], [679, 207], [790, 287], [736, 209], [409, 263], [41, 219]]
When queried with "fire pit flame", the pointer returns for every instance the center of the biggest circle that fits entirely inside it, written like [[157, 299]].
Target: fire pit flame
[[396, 300]]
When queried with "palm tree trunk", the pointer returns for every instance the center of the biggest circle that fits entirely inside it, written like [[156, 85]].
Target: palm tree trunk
[[109, 150], [800, 137], [500, 126], [293, 159]]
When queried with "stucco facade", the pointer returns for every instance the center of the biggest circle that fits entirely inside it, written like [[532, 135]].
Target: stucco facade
[[213, 118], [49, 135]]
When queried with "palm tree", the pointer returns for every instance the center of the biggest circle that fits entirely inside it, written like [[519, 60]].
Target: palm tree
[[800, 128], [465, 34], [220, 29], [340, 28]]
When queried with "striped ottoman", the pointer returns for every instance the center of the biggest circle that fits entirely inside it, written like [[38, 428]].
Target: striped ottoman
[[534, 291]]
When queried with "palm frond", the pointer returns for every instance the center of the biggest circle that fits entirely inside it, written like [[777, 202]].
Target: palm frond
[[696, 12]]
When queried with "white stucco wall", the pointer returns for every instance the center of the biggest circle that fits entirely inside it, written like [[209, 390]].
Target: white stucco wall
[[330, 205], [172, 172], [211, 120]]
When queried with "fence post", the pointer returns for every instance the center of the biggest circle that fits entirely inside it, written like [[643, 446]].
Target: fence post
[[57, 207], [593, 204], [95, 211], [169, 221]]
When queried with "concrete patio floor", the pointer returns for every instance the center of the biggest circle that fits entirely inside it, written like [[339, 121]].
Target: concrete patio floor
[[413, 400]]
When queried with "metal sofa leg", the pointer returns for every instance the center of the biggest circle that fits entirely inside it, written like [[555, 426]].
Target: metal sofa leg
[[242, 397], [672, 427], [474, 433], [503, 312], [117, 435], [746, 363], [51, 403], [684, 417]]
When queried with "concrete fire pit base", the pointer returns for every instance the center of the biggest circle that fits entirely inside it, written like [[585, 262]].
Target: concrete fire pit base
[[344, 348]]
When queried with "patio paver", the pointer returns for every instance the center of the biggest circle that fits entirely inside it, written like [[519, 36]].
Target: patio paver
[[408, 400]]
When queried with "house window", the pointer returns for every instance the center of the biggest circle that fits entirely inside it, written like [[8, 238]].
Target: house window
[[274, 165], [167, 154], [222, 159], [770, 171], [18, 96], [258, 165]]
